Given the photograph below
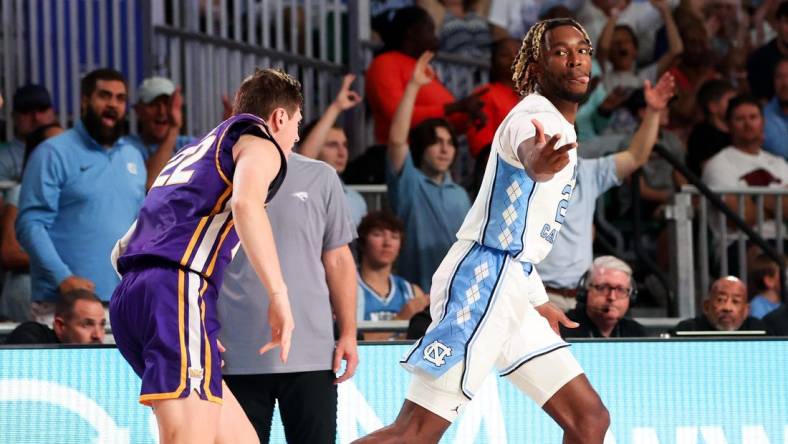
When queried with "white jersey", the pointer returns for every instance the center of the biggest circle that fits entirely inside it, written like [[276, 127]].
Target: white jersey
[[512, 212]]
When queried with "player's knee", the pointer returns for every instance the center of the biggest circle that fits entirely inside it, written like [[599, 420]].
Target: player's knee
[[591, 424]]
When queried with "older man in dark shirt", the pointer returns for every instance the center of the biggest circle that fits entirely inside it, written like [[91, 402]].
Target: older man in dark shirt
[[724, 309], [603, 302]]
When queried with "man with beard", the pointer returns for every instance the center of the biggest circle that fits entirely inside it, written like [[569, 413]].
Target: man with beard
[[725, 309], [160, 116], [603, 298], [488, 305], [81, 191], [746, 164], [32, 108]]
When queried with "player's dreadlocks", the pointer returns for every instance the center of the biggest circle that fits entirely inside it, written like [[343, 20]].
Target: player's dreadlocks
[[531, 52]]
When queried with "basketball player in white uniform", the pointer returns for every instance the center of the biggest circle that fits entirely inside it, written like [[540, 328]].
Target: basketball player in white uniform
[[488, 304]]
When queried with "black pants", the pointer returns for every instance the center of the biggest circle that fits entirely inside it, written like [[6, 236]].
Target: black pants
[[307, 404]]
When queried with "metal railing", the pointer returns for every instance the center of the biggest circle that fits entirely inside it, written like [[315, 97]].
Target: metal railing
[[715, 225], [206, 46], [210, 46], [680, 215], [374, 195]]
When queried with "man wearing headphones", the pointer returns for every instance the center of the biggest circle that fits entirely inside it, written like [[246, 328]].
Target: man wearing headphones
[[603, 297]]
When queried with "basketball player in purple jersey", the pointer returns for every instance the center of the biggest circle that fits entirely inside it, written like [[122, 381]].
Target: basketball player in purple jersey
[[206, 199]]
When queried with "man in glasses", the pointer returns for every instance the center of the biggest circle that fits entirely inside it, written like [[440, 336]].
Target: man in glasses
[[603, 298]]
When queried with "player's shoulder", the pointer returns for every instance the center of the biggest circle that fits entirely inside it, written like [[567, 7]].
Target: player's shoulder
[[536, 106], [297, 162]]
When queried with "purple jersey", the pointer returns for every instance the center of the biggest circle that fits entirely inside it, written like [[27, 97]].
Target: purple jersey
[[186, 218]]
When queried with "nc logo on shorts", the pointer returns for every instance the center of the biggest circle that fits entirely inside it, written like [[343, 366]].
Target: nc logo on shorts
[[436, 353], [132, 167]]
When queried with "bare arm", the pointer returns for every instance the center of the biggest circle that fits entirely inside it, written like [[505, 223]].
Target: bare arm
[[639, 150], [675, 44], [257, 163], [341, 279], [645, 137], [164, 152], [12, 256], [344, 100], [400, 126], [419, 302]]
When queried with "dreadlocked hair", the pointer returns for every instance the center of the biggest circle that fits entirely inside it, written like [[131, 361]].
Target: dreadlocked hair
[[531, 52]]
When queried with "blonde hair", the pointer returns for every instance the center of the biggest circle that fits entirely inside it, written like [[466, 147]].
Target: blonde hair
[[531, 52]]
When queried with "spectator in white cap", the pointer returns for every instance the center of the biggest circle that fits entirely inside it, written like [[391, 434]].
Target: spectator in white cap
[[159, 111]]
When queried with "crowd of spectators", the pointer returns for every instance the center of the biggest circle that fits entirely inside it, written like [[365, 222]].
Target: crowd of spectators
[[71, 194]]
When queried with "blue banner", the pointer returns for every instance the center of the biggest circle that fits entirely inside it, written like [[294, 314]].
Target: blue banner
[[687, 392]]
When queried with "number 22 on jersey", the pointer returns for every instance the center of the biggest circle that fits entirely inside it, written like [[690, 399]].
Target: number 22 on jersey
[[177, 169]]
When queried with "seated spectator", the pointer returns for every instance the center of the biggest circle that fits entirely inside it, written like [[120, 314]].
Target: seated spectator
[[325, 140], [79, 319], [15, 298], [32, 108], [159, 111], [412, 33], [711, 134], [618, 51], [461, 26], [499, 95], [763, 61], [603, 300], [81, 192], [572, 252], [745, 164], [763, 280], [724, 309], [383, 296], [420, 188], [775, 114]]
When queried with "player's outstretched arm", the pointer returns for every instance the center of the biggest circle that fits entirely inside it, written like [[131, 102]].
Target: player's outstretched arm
[[257, 163], [400, 125], [539, 156]]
